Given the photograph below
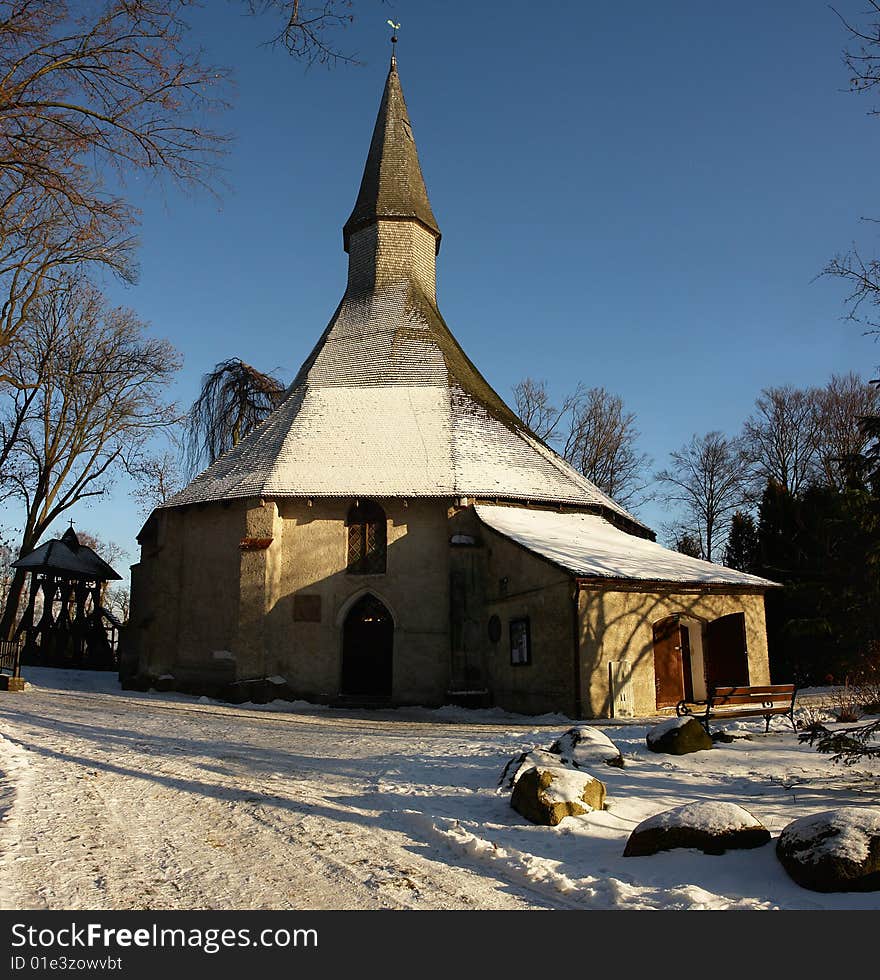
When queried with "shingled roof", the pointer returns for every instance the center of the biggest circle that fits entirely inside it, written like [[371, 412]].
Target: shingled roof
[[392, 186], [66, 557], [388, 404]]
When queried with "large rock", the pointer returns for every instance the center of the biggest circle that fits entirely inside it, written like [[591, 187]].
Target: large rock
[[548, 794], [834, 851], [525, 761], [711, 827], [583, 746], [678, 736]]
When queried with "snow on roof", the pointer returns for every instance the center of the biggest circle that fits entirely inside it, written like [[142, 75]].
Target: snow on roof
[[587, 545], [387, 405]]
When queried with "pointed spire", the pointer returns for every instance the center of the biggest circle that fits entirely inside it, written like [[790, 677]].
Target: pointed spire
[[392, 186]]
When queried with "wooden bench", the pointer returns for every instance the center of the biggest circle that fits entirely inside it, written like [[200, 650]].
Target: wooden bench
[[743, 702]]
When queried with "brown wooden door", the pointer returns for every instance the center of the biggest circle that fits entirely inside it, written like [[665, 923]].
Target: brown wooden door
[[668, 674], [727, 661]]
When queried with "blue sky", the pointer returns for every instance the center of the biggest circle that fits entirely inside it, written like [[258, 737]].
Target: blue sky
[[632, 195]]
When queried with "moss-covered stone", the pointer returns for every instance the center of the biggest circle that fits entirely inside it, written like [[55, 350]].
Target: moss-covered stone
[[678, 736], [547, 795], [708, 826], [833, 851]]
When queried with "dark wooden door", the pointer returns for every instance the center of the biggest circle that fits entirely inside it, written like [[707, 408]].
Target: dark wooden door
[[727, 661], [668, 673], [367, 649]]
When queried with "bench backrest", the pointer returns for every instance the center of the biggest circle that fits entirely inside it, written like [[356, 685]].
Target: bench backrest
[[767, 693]]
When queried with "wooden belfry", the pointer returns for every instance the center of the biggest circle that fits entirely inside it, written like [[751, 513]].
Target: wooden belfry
[[70, 629]]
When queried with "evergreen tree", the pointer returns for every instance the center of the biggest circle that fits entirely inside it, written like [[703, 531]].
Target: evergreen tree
[[821, 546], [688, 544], [742, 544]]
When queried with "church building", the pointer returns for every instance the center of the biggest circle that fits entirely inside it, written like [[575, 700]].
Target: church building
[[394, 534]]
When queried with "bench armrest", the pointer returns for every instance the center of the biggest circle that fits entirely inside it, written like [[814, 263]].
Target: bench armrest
[[684, 708]]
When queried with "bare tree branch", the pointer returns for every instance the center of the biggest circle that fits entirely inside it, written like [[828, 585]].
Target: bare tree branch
[[88, 91], [706, 480], [99, 383]]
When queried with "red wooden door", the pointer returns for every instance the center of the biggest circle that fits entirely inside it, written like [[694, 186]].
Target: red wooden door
[[668, 673]]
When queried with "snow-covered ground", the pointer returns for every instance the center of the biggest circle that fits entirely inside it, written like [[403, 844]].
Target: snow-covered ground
[[114, 799]]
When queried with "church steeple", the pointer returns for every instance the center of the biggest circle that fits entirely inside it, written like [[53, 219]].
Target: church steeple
[[392, 188]]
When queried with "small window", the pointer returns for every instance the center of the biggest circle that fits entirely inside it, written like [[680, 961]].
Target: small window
[[367, 538], [520, 642], [494, 629]]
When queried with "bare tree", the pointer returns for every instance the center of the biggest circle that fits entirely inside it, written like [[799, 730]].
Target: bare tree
[[99, 383], [84, 89], [686, 543], [7, 557], [535, 408], [781, 437], [593, 432], [601, 444], [308, 31], [705, 480], [117, 599], [862, 59], [234, 398], [158, 478], [843, 405]]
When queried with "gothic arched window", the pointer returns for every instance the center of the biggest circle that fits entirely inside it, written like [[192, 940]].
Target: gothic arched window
[[367, 538]]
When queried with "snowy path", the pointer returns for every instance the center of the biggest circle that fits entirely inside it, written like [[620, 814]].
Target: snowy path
[[136, 804], [112, 800]]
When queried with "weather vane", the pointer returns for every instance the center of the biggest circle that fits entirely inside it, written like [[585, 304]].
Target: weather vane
[[394, 29]]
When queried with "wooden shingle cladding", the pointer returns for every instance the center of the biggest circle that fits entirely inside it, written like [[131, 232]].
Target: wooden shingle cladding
[[392, 186]]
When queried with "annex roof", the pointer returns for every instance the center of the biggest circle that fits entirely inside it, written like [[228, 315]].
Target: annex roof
[[588, 546]]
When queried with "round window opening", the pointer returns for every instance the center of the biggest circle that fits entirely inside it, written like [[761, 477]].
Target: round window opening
[[494, 629]]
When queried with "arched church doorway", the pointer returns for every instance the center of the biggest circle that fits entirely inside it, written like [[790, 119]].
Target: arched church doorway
[[367, 649], [673, 671]]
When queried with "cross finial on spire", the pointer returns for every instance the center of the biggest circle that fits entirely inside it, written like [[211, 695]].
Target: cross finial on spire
[[394, 29]]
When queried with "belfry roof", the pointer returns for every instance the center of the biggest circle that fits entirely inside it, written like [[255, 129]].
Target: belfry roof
[[66, 557], [388, 404]]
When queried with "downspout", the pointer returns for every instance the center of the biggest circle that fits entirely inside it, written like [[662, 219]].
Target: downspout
[[578, 702]]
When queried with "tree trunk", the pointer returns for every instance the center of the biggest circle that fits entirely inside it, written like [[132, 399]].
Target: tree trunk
[[10, 610]]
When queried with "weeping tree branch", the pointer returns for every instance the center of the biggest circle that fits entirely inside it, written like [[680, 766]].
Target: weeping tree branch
[[234, 399]]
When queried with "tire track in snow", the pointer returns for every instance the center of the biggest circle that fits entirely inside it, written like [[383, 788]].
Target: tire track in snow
[[139, 810]]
